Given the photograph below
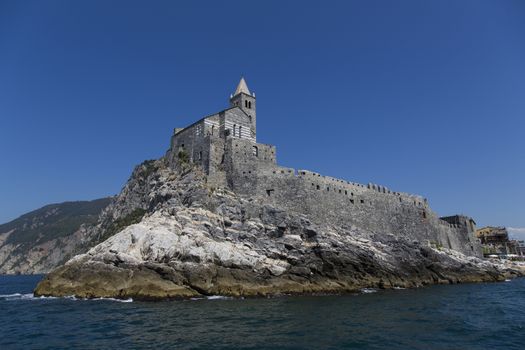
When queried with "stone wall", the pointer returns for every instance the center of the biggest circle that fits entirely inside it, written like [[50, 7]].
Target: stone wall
[[330, 200], [201, 142], [235, 123], [241, 100], [192, 142]]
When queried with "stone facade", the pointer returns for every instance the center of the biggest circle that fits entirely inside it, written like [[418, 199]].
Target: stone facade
[[224, 145]]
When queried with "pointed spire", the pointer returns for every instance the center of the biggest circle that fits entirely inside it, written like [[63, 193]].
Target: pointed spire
[[242, 87]]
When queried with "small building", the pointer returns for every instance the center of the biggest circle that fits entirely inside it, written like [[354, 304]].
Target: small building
[[492, 235], [521, 248], [495, 241]]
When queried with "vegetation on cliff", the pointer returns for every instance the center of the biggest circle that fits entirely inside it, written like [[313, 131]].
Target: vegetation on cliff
[[53, 221], [40, 240], [121, 223]]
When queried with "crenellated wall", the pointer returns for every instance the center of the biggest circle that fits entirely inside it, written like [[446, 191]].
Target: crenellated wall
[[326, 199]]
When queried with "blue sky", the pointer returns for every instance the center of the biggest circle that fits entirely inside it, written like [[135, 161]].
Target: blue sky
[[425, 97]]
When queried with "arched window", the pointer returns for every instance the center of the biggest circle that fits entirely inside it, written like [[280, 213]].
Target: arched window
[[249, 104], [212, 129], [255, 151], [240, 131], [234, 129]]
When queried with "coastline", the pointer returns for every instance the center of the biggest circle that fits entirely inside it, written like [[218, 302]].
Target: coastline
[[159, 259], [144, 294]]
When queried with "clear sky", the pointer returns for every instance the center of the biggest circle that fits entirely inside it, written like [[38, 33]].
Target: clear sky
[[424, 97]]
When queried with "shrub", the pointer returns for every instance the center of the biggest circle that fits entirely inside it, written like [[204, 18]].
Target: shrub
[[183, 157], [147, 168], [118, 225]]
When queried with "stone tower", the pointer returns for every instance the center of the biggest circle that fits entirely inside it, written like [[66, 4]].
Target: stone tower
[[245, 100]]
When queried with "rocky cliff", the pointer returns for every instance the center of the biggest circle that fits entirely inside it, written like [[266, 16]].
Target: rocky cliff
[[41, 240], [170, 234], [45, 238]]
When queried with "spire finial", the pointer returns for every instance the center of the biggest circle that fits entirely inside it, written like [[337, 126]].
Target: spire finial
[[242, 87]]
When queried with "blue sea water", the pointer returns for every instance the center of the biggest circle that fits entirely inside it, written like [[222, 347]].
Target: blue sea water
[[469, 316]]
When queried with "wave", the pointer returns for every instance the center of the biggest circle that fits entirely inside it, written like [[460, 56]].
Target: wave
[[368, 290], [31, 296], [212, 297], [16, 296], [129, 300], [72, 297], [218, 297]]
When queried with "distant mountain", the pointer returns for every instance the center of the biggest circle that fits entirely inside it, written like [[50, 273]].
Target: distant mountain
[[40, 240]]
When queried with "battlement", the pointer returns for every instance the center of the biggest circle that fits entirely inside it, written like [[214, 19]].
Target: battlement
[[343, 186]]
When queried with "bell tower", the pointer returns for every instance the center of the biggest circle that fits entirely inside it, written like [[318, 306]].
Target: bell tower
[[245, 100]]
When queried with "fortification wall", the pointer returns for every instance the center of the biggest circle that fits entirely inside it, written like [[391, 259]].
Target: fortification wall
[[330, 200]]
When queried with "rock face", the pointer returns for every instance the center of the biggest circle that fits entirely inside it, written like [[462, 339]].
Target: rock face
[[41, 240], [45, 238], [170, 234]]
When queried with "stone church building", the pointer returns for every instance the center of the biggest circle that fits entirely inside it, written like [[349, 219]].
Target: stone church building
[[225, 146]]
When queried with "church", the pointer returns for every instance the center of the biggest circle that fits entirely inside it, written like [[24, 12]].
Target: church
[[205, 142]]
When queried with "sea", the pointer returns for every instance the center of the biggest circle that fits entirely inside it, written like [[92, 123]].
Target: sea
[[463, 316]]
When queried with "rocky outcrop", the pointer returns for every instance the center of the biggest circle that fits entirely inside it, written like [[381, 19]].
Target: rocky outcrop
[[42, 240], [190, 239]]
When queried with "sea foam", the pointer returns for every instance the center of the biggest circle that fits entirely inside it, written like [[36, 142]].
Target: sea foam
[[368, 290], [31, 296]]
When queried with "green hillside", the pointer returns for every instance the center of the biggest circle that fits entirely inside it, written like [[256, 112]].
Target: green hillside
[[53, 221]]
